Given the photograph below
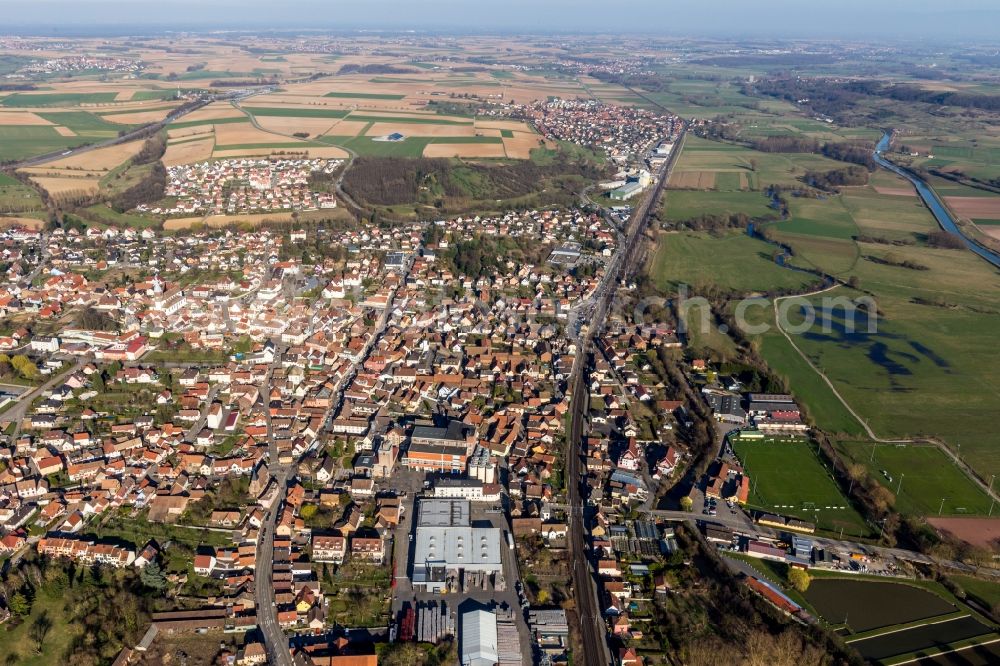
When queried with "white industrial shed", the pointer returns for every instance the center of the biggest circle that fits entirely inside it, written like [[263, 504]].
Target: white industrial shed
[[479, 638]]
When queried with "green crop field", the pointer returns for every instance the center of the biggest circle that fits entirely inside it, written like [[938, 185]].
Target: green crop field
[[923, 474], [734, 262], [466, 139], [16, 197], [218, 74], [149, 95], [761, 169], [680, 205], [411, 146], [278, 143], [703, 99], [21, 141], [216, 121], [975, 154], [408, 120], [787, 478], [57, 99], [363, 95], [127, 112], [83, 123]]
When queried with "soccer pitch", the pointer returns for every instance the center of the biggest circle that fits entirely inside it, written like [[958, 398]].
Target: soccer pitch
[[787, 478], [929, 483]]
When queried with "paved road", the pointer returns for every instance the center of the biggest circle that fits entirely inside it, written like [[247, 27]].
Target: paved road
[[17, 413], [267, 611], [275, 640]]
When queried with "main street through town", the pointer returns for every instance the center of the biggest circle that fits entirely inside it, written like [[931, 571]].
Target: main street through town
[[275, 640]]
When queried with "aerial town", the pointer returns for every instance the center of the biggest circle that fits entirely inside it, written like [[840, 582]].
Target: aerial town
[[410, 348]]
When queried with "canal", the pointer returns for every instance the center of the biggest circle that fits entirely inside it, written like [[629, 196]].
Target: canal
[[933, 202]]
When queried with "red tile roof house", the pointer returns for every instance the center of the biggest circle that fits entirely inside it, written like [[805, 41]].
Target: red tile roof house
[[329, 548], [288, 618], [204, 564], [368, 548]]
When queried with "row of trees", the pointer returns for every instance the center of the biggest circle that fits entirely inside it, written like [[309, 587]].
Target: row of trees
[[715, 223], [717, 621], [152, 150]]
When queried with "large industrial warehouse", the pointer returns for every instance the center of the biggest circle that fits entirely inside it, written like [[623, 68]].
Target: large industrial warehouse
[[447, 544]]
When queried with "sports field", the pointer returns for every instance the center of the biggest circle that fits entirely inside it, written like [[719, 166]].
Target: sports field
[[787, 478], [928, 481]]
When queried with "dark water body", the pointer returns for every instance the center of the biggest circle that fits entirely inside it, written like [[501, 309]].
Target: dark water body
[[931, 200]]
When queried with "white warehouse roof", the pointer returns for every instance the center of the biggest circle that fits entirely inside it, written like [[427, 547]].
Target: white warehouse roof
[[479, 638]]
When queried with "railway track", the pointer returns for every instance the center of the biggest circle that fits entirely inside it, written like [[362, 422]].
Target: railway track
[[592, 628]]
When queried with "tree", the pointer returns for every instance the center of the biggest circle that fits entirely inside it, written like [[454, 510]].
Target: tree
[[308, 511], [24, 366], [402, 654], [799, 579], [686, 503], [40, 628], [152, 576], [19, 604]]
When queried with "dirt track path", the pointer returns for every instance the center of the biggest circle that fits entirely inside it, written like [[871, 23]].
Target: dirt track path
[[961, 464]]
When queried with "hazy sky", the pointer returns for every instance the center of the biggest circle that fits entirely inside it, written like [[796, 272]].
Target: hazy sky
[[782, 18]]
